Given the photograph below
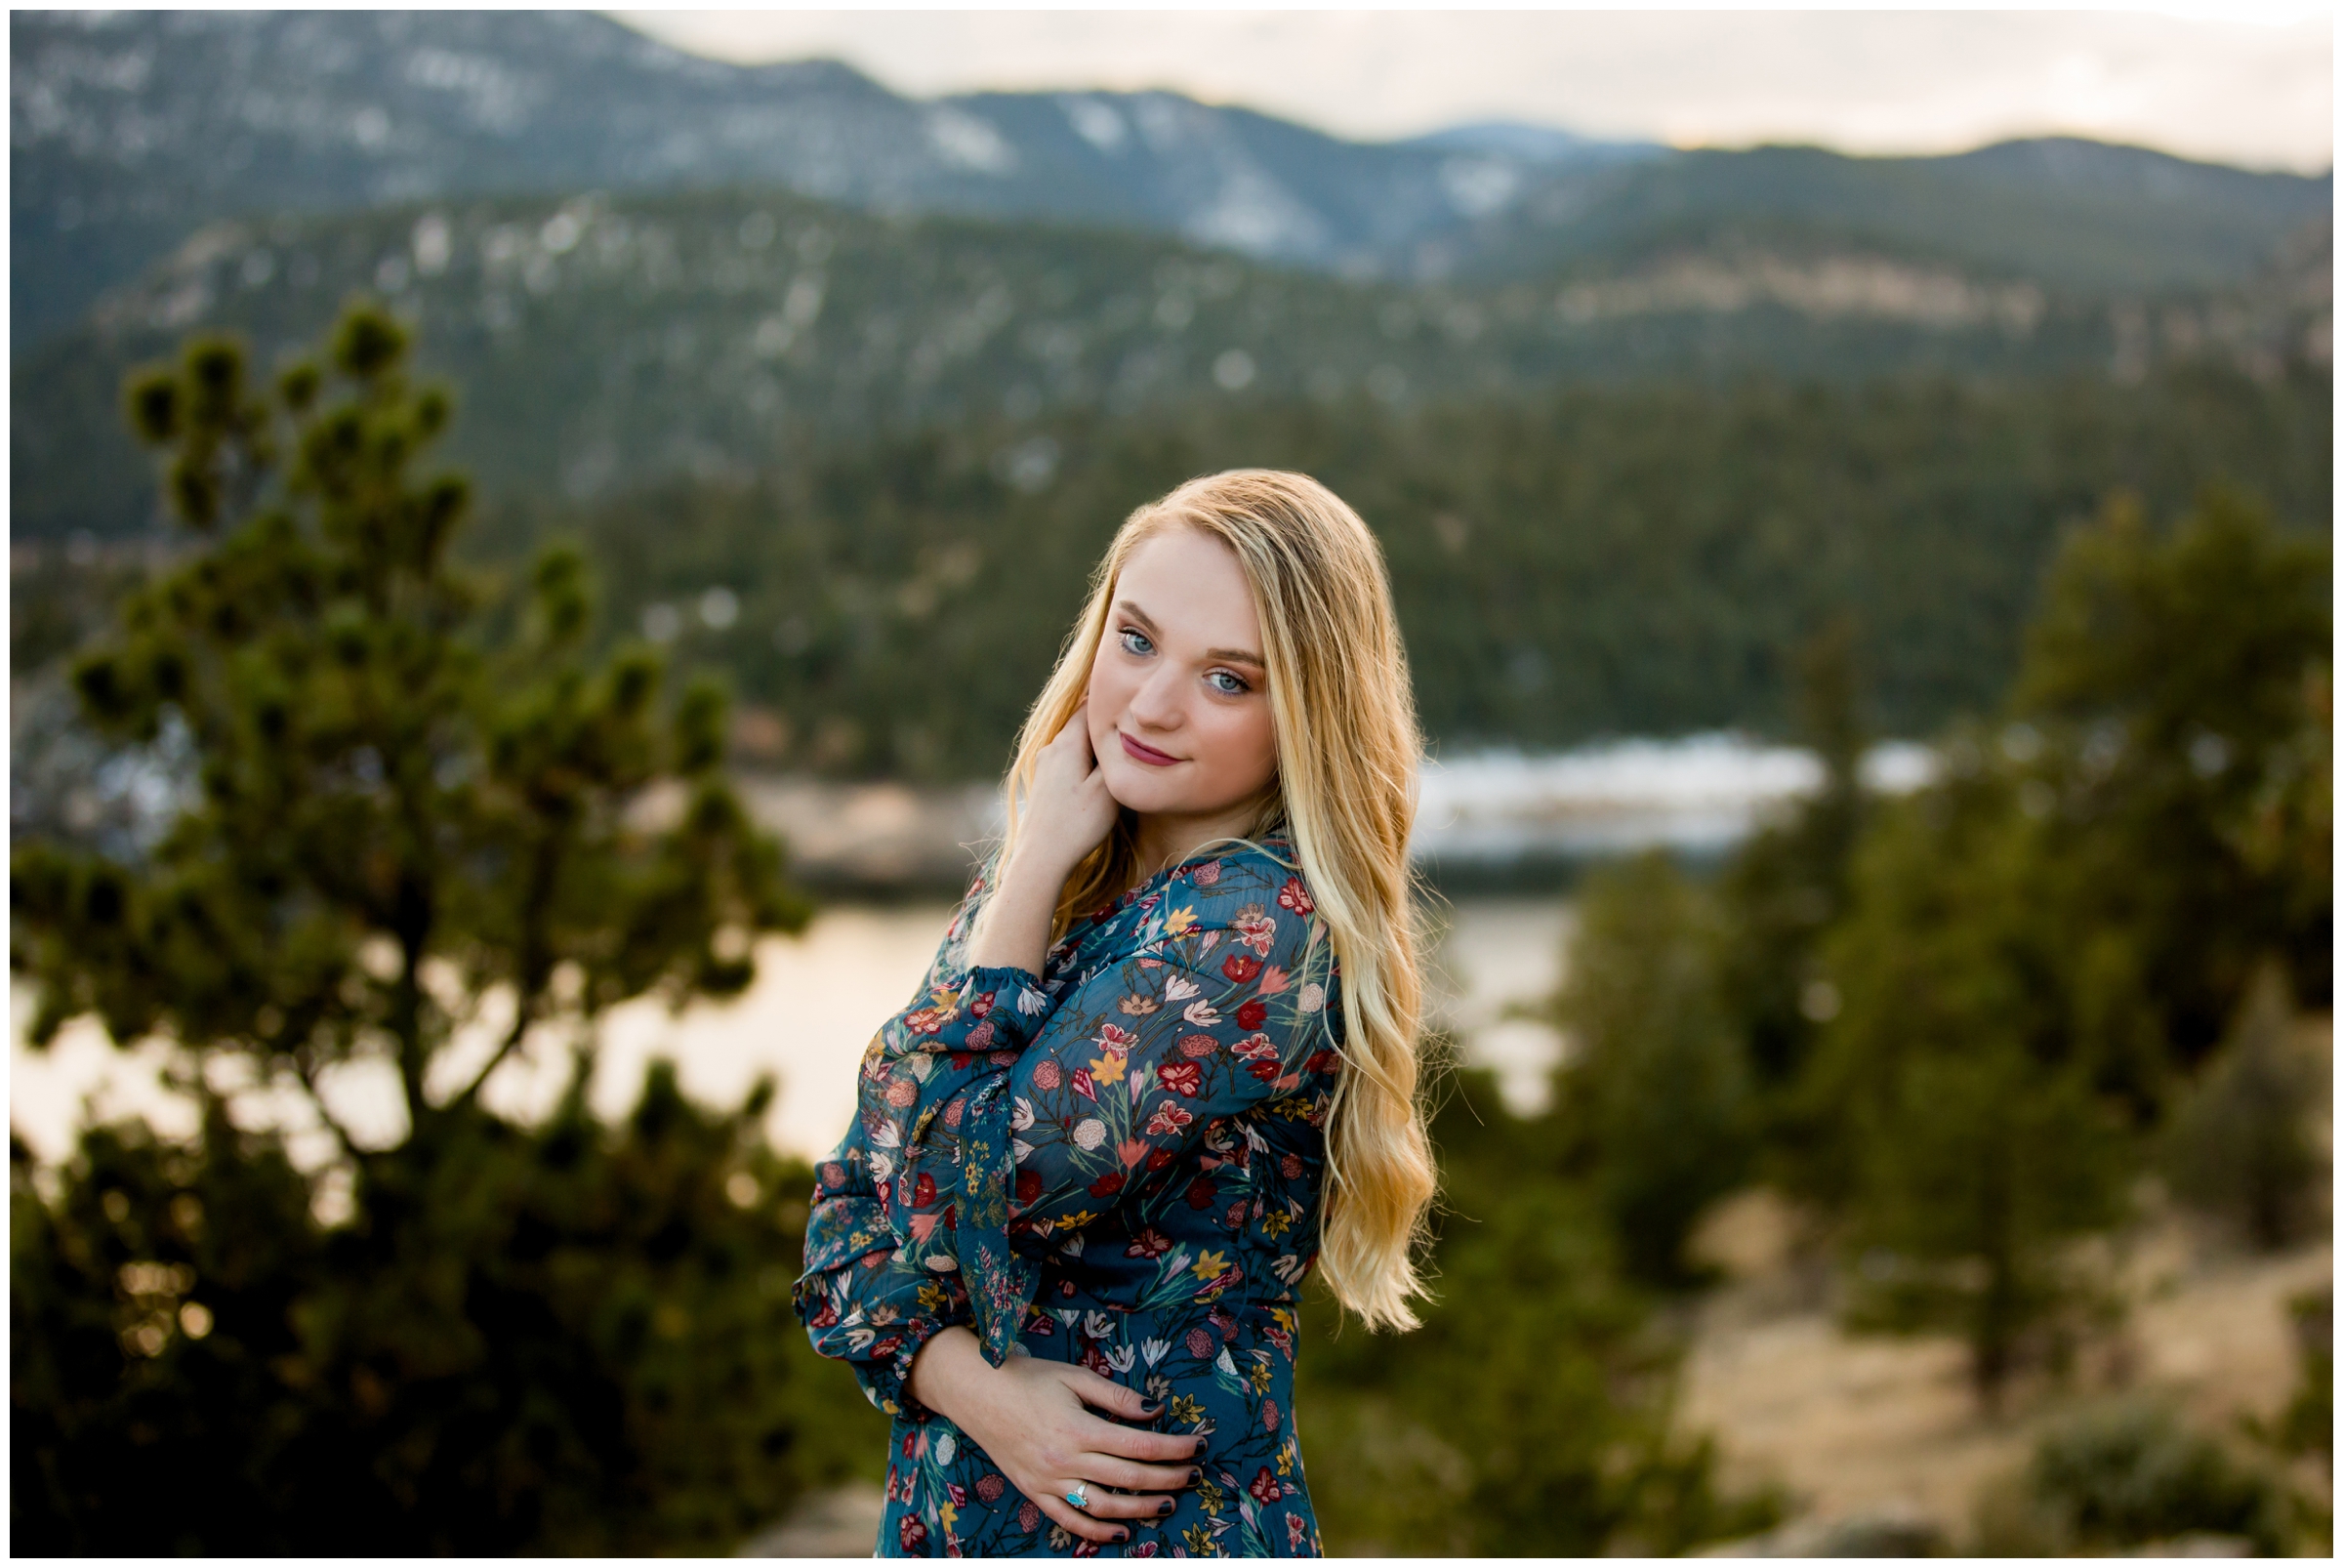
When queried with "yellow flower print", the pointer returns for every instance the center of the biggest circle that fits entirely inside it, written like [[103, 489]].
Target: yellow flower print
[[1177, 923], [1210, 1499], [1199, 1541], [1275, 1224], [1211, 1266], [1188, 1409], [1108, 1069], [934, 1298]]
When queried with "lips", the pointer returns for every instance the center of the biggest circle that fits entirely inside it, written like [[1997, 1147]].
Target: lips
[[1144, 754]]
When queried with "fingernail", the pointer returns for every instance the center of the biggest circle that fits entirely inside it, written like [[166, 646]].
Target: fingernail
[[1164, 1506], [1122, 1535], [1199, 1445], [1195, 1475], [1149, 1409]]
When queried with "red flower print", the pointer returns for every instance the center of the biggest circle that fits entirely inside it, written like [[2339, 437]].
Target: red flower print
[[1269, 1415], [1046, 1074], [1236, 1214], [1294, 1531], [1082, 1085], [956, 1110], [981, 1036], [1202, 1193], [1167, 1118], [1264, 1487], [1198, 1046], [1295, 896], [1206, 875], [982, 1004], [912, 1532], [1095, 1359], [827, 1317], [834, 1174], [991, 1487], [1029, 1186], [1266, 1069], [1200, 1344], [1257, 1048], [1029, 1517], [957, 1493], [1325, 1061], [1256, 927], [1148, 1243], [902, 1093], [1181, 1077], [1114, 1038], [1163, 1157], [926, 1021], [1107, 1185], [1289, 1168], [1147, 1548], [923, 1191], [1240, 969], [1251, 1015]]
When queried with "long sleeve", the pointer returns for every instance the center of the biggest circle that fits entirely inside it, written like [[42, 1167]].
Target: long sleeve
[[860, 1300]]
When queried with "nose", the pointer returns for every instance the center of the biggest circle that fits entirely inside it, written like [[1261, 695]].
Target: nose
[[1156, 704]]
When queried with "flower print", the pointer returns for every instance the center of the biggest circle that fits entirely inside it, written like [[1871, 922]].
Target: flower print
[[1256, 1047], [1295, 1530], [1266, 1071], [1148, 1549], [1198, 1540], [1114, 1038], [990, 1487], [1029, 1186], [1206, 875], [1200, 1344], [1203, 1192], [1269, 1415], [1178, 922], [1089, 1132], [1156, 1159], [1082, 1085], [1046, 1074], [1274, 1226], [1152, 1350], [1136, 1006], [1272, 982], [1107, 1185], [1030, 1002], [928, 1021], [983, 1004], [981, 1036], [1029, 1517], [1313, 997], [1167, 1119], [1240, 969], [1265, 1487], [1256, 927], [923, 1191], [902, 1093], [1179, 988], [1295, 897], [1210, 1265], [1197, 1046], [912, 1532], [1324, 1061], [1108, 1069], [946, 1446], [1201, 1014], [1253, 1013], [833, 1173], [1290, 1167], [1020, 1115], [1181, 1077]]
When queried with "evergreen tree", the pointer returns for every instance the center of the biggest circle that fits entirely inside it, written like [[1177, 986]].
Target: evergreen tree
[[409, 848], [2240, 1144]]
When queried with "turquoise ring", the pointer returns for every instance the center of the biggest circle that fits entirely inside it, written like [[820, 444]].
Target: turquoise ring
[[1080, 1496]]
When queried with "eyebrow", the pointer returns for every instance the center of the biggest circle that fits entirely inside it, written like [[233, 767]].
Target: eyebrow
[[1232, 655]]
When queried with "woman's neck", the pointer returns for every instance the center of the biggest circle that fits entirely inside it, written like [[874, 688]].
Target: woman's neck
[[1162, 840]]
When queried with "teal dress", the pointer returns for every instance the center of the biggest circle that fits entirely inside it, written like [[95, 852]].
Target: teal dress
[[1116, 1163]]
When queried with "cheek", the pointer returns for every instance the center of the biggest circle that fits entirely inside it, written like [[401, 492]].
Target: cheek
[[1245, 747]]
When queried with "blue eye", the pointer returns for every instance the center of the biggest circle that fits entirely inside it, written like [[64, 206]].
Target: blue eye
[[1237, 690], [1129, 636]]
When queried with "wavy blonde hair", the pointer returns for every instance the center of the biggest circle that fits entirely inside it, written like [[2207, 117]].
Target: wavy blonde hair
[[1347, 747]]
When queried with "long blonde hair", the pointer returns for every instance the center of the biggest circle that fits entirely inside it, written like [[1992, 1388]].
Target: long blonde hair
[[1347, 746]]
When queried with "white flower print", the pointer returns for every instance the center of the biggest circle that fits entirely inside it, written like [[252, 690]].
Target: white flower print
[[1313, 997], [1201, 1014], [1153, 1350], [1088, 1133], [1123, 1359], [1180, 989]]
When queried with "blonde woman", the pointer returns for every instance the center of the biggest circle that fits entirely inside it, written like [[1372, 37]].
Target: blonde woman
[[1165, 1063]]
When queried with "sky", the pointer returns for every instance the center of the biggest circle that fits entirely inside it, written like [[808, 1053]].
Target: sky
[[2192, 80]]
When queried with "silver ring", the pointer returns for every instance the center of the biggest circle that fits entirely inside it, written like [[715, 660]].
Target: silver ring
[[1080, 1496]]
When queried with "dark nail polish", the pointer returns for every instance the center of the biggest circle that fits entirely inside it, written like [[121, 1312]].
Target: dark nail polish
[[1195, 1475], [1164, 1506], [1150, 1410], [1122, 1535], [1199, 1445]]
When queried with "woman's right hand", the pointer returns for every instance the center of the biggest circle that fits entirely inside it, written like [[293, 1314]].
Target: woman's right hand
[[1029, 1416], [1067, 812]]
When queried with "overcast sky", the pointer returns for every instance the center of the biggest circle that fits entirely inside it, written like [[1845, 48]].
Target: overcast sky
[[2257, 92]]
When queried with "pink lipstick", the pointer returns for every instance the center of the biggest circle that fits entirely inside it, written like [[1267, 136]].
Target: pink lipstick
[[1144, 754]]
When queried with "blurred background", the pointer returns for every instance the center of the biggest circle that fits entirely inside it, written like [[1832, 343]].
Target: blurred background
[[1857, 490]]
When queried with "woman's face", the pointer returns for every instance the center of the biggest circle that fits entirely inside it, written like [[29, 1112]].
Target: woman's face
[[1179, 699]]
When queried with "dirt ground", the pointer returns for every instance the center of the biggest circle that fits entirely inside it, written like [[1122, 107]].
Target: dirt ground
[[1864, 1425]]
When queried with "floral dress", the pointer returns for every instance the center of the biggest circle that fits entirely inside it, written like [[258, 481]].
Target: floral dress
[[1115, 1163]]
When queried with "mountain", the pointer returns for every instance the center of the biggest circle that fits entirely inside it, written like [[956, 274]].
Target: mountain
[[129, 130], [603, 342]]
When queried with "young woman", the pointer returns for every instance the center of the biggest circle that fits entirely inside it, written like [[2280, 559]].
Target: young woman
[[1163, 1063]]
